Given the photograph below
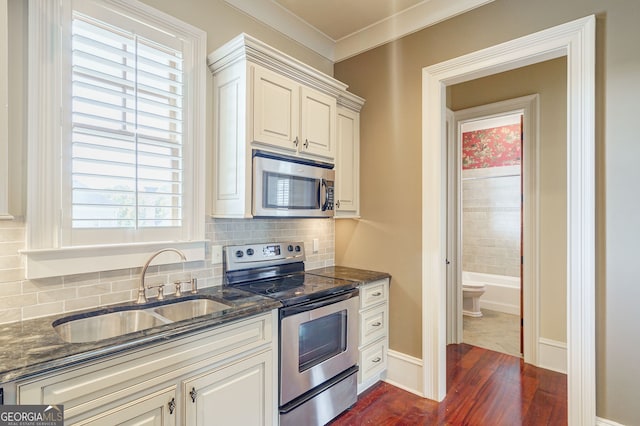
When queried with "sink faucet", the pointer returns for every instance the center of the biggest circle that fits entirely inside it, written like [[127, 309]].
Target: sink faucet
[[142, 297]]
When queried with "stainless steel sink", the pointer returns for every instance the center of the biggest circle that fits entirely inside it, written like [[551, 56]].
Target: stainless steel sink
[[101, 326], [104, 326], [190, 309]]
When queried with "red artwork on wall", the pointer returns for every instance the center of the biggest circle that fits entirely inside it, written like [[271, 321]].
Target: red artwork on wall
[[494, 147]]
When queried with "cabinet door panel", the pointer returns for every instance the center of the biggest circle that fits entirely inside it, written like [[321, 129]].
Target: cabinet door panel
[[276, 106], [150, 410], [348, 163], [219, 397], [230, 178], [318, 125]]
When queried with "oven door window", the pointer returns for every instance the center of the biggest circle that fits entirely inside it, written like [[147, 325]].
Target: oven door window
[[322, 339], [282, 191]]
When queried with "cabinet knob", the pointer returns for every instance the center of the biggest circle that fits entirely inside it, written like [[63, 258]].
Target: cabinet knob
[[172, 405], [376, 324], [338, 204], [376, 294], [295, 141], [306, 143], [376, 359], [194, 394]]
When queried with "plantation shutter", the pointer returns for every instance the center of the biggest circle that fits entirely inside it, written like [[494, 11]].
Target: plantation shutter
[[126, 129]]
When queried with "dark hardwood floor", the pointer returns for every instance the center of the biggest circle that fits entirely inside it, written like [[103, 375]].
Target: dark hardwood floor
[[483, 388]]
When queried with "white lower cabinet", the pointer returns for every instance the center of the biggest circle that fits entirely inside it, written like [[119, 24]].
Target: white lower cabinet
[[157, 409], [224, 375], [374, 333], [231, 387]]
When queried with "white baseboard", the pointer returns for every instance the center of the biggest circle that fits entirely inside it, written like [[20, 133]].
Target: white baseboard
[[405, 372], [500, 307], [552, 355], [606, 422]]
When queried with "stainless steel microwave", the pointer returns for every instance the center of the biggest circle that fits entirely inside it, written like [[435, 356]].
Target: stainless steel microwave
[[286, 186]]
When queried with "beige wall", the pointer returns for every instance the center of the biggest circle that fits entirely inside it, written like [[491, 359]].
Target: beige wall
[[388, 236], [549, 80]]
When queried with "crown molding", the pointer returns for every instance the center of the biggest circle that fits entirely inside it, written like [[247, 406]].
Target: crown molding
[[287, 23], [422, 15]]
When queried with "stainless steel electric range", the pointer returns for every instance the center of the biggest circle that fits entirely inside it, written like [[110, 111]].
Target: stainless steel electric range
[[318, 329]]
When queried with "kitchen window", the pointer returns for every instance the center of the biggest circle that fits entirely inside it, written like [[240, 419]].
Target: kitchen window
[[117, 94]]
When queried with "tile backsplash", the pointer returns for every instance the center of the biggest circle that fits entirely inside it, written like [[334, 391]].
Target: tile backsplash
[[22, 299]]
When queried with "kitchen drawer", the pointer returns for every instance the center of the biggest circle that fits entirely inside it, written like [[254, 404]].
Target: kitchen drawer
[[373, 293], [101, 384], [373, 324], [373, 360]]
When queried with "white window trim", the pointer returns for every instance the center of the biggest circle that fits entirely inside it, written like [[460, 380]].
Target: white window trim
[[4, 112], [45, 255]]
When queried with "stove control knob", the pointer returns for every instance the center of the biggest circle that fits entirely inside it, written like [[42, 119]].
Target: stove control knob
[[239, 253], [250, 252], [290, 247], [298, 248]]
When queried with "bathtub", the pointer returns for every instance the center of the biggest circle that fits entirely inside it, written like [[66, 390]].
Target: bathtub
[[502, 293]]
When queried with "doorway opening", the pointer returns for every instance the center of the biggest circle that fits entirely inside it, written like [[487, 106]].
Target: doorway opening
[[576, 41], [511, 290], [491, 210]]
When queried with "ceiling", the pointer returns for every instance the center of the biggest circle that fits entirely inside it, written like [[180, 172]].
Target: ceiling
[[339, 29], [338, 18]]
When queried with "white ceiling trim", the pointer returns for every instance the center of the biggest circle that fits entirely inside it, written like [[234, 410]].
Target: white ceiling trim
[[289, 24], [415, 18], [410, 20]]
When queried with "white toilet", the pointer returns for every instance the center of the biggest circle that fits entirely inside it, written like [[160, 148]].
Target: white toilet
[[471, 292]]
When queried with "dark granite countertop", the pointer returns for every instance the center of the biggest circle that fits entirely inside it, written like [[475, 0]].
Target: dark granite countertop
[[362, 276], [33, 347]]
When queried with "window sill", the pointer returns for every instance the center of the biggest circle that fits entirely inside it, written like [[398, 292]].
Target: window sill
[[45, 263]]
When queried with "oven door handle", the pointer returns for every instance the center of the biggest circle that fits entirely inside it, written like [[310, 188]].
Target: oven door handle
[[293, 310]]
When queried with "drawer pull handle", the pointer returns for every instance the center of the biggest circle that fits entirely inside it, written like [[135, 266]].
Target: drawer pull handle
[[194, 394], [376, 324], [172, 405], [376, 294], [376, 359]]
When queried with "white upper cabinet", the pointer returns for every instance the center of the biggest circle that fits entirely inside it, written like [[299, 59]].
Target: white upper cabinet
[[292, 117], [264, 99], [317, 124], [348, 164], [276, 110]]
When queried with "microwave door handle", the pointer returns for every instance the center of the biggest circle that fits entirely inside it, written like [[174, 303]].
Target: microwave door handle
[[324, 194]]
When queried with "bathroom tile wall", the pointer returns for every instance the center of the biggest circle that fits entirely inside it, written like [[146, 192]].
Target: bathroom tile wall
[[491, 221], [22, 299]]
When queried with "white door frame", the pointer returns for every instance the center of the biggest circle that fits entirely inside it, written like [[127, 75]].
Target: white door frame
[[528, 106], [576, 41]]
